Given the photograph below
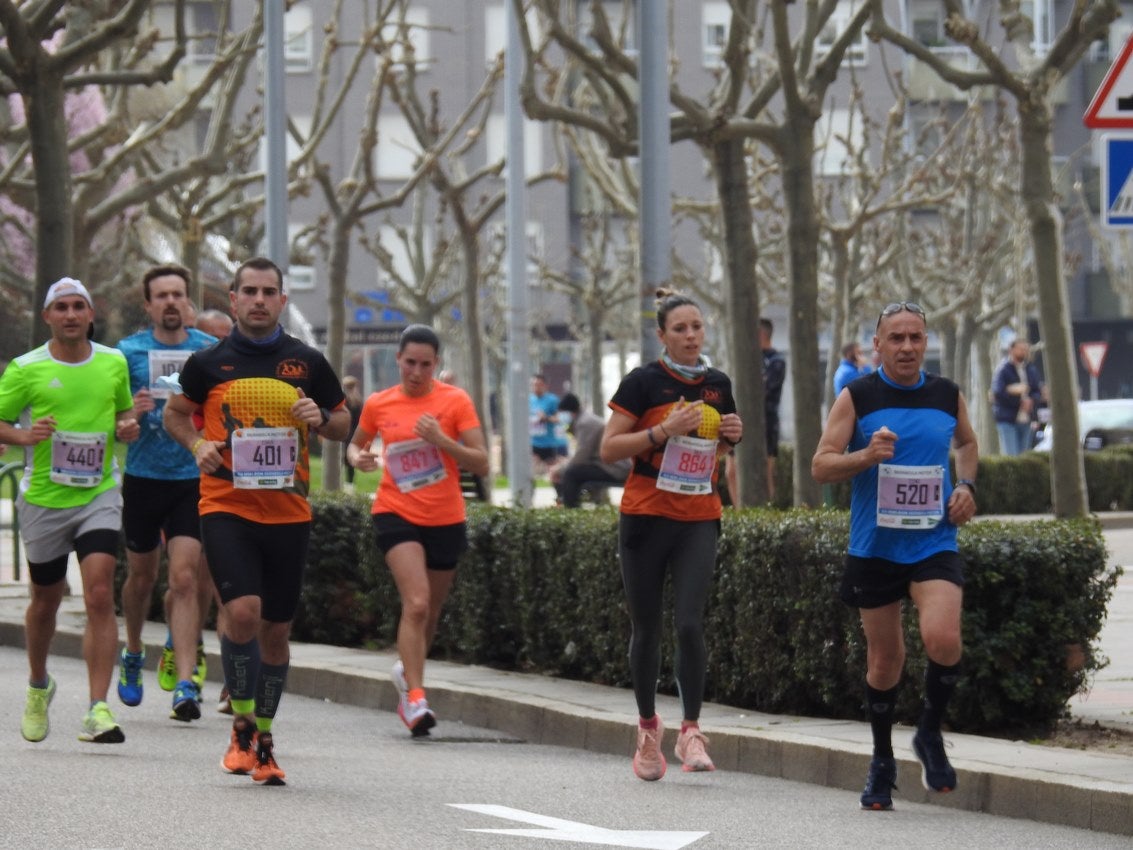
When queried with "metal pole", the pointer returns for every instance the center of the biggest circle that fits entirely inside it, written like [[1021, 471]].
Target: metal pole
[[275, 134], [518, 377], [653, 119]]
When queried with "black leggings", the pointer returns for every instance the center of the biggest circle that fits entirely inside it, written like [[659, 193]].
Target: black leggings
[[650, 546]]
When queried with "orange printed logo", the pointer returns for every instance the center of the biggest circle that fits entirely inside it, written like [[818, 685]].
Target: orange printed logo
[[711, 395], [291, 369]]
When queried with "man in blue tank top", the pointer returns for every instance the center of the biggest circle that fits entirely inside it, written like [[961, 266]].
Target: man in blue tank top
[[892, 432]]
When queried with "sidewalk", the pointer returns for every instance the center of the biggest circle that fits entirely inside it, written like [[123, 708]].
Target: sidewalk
[[1010, 778]]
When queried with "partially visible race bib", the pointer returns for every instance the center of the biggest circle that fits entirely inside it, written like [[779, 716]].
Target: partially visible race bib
[[414, 464], [77, 458], [687, 466], [910, 497], [264, 458], [163, 364]]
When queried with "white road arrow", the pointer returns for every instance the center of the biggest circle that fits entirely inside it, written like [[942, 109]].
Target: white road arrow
[[555, 829]]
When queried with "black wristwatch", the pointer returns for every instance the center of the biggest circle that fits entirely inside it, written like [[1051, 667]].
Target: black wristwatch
[[326, 417], [969, 483]]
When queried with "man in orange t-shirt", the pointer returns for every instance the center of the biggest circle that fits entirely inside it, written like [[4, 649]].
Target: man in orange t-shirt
[[428, 431]]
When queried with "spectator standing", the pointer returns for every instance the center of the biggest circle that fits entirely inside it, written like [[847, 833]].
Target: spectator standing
[[774, 374], [548, 441], [853, 365], [1016, 392]]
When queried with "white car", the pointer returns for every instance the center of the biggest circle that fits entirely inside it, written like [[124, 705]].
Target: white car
[[1101, 423]]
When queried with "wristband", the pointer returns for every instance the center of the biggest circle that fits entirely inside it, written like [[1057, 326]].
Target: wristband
[[661, 425], [196, 446], [649, 434], [969, 483]]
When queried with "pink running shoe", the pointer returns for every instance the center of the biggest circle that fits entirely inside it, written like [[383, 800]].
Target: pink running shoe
[[649, 761], [690, 750]]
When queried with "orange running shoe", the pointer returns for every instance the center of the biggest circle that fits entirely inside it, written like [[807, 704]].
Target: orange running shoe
[[267, 772], [241, 758]]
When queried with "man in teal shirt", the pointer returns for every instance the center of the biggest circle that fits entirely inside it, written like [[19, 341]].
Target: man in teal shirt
[[74, 397]]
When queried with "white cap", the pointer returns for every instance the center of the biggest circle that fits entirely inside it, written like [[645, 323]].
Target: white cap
[[63, 287]]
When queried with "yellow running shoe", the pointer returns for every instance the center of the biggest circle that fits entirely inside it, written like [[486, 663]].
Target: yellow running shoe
[[167, 669], [34, 724]]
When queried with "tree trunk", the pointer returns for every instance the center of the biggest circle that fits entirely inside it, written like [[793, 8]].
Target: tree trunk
[[473, 324], [797, 157], [1067, 472], [743, 305], [54, 220], [336, 334]]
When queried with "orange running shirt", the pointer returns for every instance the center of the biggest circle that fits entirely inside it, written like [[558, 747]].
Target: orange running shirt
[[645, 395], [391, 415], [241, 385]]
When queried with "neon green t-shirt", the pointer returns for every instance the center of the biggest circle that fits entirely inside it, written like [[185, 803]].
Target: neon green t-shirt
[[77, 463]]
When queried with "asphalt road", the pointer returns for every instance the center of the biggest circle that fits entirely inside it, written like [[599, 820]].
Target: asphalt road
[[356, 779]]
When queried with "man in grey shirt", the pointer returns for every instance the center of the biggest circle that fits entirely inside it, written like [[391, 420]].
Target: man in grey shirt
[[585, 466]]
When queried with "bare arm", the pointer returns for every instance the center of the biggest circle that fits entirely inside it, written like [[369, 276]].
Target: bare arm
[[469, 451], [620, 441], [178, 422], [832, 463], [962, 502]]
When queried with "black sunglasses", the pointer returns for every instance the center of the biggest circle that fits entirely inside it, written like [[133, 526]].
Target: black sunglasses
[[901, 306]]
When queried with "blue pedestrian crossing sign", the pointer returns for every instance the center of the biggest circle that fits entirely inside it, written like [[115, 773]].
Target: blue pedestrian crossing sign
[[1117, 181]]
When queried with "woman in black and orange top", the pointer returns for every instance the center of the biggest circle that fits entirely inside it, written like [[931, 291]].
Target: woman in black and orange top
[[427, 429], [674, 417]]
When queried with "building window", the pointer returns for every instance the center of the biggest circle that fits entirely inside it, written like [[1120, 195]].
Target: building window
[[1041, 14], [926, 20], [621, 18], [303, 124], [835, 25], [496, 143], [839, 131], [495, 30], [299, 44], [716, 16], [204, 30], [397, 150], [410, 41]]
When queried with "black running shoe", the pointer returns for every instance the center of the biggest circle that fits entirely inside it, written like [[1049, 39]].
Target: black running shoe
[[878, 792], [936, 773]]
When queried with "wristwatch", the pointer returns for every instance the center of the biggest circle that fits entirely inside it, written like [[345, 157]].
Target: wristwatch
[[326, 418], [969, 483]]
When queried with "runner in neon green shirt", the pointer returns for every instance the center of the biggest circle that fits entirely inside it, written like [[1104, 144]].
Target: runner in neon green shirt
[[76, 397]]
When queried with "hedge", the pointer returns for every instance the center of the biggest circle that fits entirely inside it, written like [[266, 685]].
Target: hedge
[[539, 591]]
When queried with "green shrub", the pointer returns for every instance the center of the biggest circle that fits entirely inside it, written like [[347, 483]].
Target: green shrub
[[540, 591]]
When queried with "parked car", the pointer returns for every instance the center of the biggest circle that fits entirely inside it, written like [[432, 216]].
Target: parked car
[[1105, 422]]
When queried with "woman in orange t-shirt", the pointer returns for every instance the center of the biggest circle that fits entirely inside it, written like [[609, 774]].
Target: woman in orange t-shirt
[[428, 431]]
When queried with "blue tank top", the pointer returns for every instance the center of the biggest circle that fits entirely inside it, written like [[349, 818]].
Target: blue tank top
[[923, 417], [155, 454]]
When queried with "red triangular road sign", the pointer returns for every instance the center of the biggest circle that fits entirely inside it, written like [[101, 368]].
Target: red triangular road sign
[[1112, 106], [1093, 356]]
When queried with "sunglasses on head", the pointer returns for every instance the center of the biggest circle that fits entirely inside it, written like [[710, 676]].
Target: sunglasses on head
[[899, 307]]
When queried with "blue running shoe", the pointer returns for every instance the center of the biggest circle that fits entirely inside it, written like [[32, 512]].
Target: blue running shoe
[[130, 676], [936, 773], [878, 792], [186, 702]]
